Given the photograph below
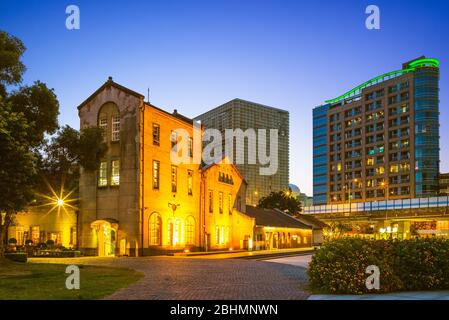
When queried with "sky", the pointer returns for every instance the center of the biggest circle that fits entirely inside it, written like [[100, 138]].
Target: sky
[[195, 55]]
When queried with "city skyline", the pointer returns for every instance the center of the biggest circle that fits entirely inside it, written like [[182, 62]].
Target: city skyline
[[193, 69]]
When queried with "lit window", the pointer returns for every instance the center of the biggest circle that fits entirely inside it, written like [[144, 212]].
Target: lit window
[[370, 161], [156, 170], [177, 234], [156, 133], [73, 236], [222, 235], [190, 230], [217, 234], [211, 201], [115, 173], [220, 202], [174, 178], [116, 127], [103, 123], [35, 234], [230, 203], [174, 141], [227, 239], [339, 166], [103, 174], [155, 230], [394, 168], [189, 182], [190, 147]]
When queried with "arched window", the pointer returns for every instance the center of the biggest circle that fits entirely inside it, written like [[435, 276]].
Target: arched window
[[155, 230], [178, 232], [109, 121], [190, 230]]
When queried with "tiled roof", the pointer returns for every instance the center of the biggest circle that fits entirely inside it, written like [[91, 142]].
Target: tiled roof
[[274, 218]]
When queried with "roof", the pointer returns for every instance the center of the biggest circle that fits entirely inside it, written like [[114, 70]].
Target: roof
[[274, 218], [111, 83], [244, 101], [205, 167], [311, 221]]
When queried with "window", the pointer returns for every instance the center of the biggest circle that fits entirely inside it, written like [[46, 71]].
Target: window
[[190, 147], [174, 141], [211, 201], [174, 178], [156, 134], [189, 182], [177, 236], [35, 234], [103, 123], [156, 169], [103, 174], [155, 226], [115, 173], [190, 230], [227, 239], [217, 234], [73, 236], [170, 232], [220, 202], [230, 203], [116, 127], [222, 235]]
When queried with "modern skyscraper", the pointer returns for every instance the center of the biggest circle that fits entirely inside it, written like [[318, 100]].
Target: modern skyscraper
[[380, 140], [244, 115]]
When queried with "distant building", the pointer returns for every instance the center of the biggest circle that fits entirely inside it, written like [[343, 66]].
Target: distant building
[[277, 230], [444, 184], [241, 114], [380, 140], [302, 197]]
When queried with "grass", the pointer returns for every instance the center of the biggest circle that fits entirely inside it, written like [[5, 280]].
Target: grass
[[36, 281]]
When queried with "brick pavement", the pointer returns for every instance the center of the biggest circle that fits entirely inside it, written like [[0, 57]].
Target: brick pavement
[[168, 278]]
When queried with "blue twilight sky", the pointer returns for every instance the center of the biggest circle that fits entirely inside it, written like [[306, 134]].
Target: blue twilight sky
[[197, 54]]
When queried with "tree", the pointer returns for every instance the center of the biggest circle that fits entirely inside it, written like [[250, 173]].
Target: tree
[[281, 200], [92, 148], [11, 68], [17, 172], [66, 152], [26, 116], [40, 106]]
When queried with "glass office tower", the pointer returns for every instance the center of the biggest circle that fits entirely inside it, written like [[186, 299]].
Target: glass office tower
[[380, 140]]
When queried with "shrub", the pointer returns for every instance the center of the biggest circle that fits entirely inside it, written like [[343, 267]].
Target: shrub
[[50, 243], [12, 241], [18, 257], [339, 266], [29, 242]]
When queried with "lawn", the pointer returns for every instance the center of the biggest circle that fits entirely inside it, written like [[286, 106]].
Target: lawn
[[36, 281]]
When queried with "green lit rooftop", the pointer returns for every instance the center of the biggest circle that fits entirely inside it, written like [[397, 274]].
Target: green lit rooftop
[[411, 66]]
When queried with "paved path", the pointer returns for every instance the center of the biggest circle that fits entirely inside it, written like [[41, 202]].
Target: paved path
[[203, 279], [299, 261]]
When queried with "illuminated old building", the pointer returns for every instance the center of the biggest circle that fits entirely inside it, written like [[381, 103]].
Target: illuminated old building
[[140, 201]]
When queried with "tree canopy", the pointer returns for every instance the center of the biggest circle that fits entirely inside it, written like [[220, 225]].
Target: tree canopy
[[281, 200]]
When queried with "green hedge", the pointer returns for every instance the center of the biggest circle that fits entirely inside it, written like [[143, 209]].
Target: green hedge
[[18, 257], [420, 264]]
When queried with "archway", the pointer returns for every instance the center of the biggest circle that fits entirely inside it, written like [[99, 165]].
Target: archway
[[106, 231]]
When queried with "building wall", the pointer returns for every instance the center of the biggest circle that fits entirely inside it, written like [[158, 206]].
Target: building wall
[[240, 114], [267, 238], [42, 224], [228, 227], [162, 200], [120, 203]]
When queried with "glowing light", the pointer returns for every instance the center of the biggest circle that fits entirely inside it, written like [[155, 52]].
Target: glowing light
[[60, 202], [186, 251], [230, 249]]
